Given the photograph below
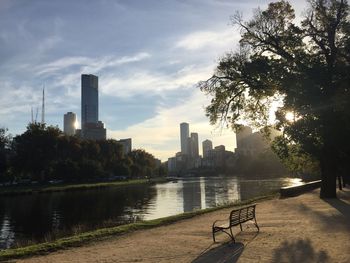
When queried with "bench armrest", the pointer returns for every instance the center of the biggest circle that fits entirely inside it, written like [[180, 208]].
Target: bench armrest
[[218, 221]]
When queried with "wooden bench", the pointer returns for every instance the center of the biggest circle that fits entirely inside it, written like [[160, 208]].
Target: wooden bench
[[237, 217]]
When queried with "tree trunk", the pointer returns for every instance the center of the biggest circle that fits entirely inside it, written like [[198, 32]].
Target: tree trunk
[[329, 179], [340, 182]]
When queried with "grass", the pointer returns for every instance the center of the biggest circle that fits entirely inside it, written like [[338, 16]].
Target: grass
[[100, 234], [20, 190]]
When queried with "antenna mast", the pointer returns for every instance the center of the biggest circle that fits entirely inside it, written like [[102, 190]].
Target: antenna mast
[[36, 115], [31, 110], [43, 107]]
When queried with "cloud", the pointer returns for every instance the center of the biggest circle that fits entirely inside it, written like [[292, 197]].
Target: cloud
[[86, 64], [152, 82], [208, 39]]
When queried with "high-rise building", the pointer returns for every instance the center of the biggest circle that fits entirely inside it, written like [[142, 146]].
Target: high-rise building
[[220, 155], [241, 136], [69, 121], [91, 127], [194, 150], [94, 131], [207, 146], [126, 145], [184, 135], [89, 99]]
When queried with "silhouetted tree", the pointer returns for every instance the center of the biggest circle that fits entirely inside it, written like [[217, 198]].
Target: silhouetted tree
[[34, 150], [306, 66], [143, 163], [111, 153], [295, 159], [5, 141], [44, 153]]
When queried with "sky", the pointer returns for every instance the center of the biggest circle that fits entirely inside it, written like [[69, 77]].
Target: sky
[[148, 54]]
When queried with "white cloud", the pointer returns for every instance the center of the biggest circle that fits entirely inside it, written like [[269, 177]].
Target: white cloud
[[160, 136], [208, 39], [87, 64], [144, 81]]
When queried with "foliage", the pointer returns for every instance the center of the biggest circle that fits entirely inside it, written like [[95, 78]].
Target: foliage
[[143, 163], [297, 161], [43, 153], [34, 150], [5, 140], [306, 66]]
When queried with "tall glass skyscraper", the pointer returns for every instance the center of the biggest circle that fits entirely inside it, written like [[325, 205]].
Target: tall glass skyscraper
[[184, 134], [194, 145], [89, 99], [91, 127]]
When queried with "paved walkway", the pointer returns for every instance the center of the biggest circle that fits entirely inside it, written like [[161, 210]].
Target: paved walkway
[[298, 229]]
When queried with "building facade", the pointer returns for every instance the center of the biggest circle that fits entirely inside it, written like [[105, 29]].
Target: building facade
[[94, 131], [69, 121], [91, 127], [184, 135], [207, 146], [127, 146], [89, 99], [194, 149]]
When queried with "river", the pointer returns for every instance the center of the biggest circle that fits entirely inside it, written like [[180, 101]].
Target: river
[[27, 219]]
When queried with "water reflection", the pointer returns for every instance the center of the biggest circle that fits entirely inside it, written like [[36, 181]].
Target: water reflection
[[38, 216]]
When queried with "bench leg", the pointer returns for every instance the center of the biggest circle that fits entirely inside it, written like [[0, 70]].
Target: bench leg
[[240, 225], [234, 241], [229, 234], [256, 224]]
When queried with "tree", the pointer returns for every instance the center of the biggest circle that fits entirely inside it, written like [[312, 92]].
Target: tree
[[34, 150], [295, 159], [5, 141], [306, 67], [111, 153], [143, 163]]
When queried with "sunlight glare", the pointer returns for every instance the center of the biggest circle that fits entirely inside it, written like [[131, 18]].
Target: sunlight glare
[[290, 116]]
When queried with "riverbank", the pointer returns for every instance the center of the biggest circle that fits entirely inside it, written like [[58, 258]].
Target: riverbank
[[298, 229], [102, 234], [33, 189]]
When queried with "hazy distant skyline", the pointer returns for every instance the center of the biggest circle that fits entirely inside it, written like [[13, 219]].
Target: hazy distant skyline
[[148, 56]]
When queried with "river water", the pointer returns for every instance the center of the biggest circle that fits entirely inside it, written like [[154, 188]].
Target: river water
[[39, 217]]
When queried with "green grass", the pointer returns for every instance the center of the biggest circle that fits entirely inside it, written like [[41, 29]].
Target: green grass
[[99, 234], [18, 190]]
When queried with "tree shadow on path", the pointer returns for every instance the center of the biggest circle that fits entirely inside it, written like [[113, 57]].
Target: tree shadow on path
[[342, 204], [226, 253], [299, 251], [330, 220]]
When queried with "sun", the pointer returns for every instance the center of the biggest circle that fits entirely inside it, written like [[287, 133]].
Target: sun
[[290, 116], [76, 125]]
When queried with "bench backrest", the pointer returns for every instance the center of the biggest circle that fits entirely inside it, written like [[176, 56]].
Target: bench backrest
[[242, 215]]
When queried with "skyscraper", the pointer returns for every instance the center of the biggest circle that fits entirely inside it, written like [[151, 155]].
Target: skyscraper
[[69, 123], [184, 135], [89, 99], [91, 127], [126, 145], [194, 145], [207, 146]]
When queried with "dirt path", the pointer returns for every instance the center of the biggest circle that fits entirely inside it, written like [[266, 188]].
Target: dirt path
[[299, 229]]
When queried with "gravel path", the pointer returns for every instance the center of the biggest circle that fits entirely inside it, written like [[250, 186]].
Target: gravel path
[[298, 229]]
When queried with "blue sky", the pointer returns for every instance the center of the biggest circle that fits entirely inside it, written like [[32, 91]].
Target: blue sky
[[148, 55]]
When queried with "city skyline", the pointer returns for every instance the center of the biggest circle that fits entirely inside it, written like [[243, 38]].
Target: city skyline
[[148, 67]]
